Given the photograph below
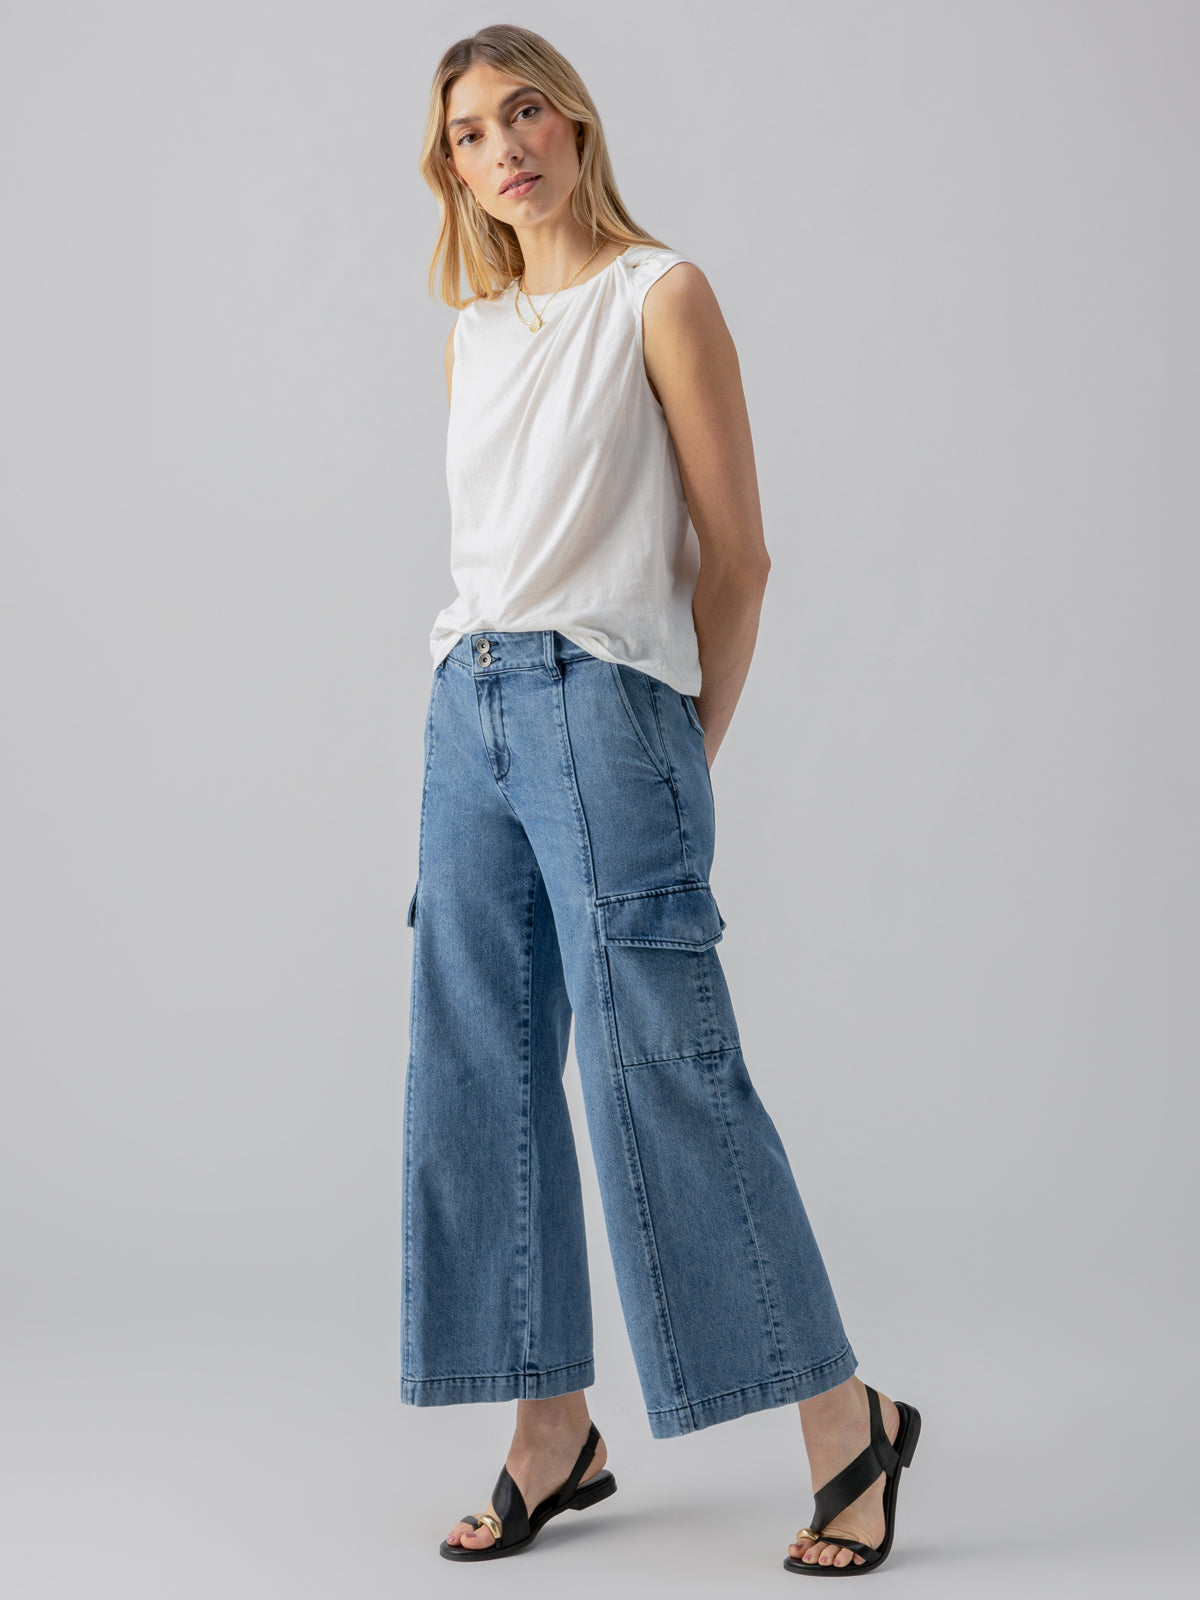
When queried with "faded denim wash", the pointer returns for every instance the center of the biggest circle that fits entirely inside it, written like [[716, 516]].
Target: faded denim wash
[[566, 839]]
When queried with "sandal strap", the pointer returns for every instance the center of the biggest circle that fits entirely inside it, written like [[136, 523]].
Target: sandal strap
[[483, 1520], [856, 1478], [510, 1508], [510, 1502], [582, 1461]]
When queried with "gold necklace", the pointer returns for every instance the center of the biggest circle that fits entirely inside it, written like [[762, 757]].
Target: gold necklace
[[537, 323]]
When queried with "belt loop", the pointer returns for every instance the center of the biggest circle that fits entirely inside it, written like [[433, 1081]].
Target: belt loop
[[553, 665]]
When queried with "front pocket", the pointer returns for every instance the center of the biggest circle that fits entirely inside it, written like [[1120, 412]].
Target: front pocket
[[689, 705], [410, 919], [668, 989], [636, 691]]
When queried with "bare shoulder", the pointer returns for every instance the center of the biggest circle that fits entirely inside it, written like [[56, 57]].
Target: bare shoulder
[[450, 359], [686, 343], [681, 297]]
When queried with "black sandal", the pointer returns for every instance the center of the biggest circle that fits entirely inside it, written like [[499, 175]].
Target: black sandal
[[881, 1455], [517, 1527]]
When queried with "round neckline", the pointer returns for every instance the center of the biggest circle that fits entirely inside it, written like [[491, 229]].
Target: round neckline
[[587, 283]]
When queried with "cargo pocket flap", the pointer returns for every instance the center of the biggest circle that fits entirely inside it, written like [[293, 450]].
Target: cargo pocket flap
[[683, 917]]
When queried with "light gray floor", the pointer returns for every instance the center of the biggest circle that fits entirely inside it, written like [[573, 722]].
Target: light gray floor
[[272, 1461]]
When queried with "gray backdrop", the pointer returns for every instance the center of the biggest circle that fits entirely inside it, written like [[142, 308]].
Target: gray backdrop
[[956, 245]]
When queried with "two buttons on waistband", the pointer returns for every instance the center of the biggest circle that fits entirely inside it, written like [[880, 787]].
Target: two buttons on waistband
[[484, 647]]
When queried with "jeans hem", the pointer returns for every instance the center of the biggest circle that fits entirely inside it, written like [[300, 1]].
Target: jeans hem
[[672, 1421], [497, 1386]]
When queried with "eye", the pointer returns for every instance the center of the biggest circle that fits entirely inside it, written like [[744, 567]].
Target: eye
[[523, 110]]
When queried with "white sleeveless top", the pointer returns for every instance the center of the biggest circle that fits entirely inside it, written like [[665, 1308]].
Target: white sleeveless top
[[567, 509]]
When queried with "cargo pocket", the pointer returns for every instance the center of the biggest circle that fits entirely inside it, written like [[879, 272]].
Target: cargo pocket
[[668, 989], [411, 918]]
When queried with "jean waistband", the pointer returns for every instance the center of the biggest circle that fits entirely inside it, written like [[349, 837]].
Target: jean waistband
[[498, 652]]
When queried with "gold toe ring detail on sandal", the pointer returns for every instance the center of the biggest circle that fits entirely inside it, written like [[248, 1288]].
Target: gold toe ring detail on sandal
[[805, 1533], [491, 1523]]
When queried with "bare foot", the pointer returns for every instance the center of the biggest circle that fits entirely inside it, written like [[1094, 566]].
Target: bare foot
[[837, 1426], [546, 1445]]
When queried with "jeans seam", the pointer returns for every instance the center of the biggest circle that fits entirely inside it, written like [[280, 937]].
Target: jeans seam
[[525, 1142], [771, 1318], [685, 1055], [748, 1388], [629, 1138], [414, 1002], [491, 1377]]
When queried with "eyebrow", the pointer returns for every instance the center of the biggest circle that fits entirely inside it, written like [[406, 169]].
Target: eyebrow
[[515, 94]]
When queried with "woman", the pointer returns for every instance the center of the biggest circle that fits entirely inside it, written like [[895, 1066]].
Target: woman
[[605, 536]]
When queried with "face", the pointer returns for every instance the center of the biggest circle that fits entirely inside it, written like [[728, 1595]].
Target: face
[[498, 127]]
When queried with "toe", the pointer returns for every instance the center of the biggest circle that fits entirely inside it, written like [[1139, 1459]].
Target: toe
[[472, 1538], [837, 1555]]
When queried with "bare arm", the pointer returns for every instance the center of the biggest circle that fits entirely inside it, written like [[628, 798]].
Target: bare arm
[[693, 369]]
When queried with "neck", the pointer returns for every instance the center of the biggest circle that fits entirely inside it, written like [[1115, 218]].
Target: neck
[[550, 261]]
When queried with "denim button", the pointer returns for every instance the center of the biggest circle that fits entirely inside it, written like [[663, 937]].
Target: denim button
[[485, 661], [483, 644]]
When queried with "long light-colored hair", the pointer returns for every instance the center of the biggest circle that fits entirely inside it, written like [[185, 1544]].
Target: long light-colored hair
[[471, 241]]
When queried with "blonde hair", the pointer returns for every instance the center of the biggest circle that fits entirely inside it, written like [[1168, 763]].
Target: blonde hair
[[471, 241]]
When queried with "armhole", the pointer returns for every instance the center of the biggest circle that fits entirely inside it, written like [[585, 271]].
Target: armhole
[[650, 270]]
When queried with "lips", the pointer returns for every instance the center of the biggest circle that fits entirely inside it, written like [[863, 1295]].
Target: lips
[[521, 183]]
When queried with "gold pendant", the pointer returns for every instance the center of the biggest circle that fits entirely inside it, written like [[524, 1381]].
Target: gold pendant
[[534, 326]]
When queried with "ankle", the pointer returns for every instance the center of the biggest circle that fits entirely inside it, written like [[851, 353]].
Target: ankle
[[549, 1422], [840, 1409]]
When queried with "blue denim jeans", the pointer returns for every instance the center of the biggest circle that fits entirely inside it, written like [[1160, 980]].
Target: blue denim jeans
[[566, 840]]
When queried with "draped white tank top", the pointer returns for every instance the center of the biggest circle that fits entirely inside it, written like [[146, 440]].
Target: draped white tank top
[[567, 510]]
